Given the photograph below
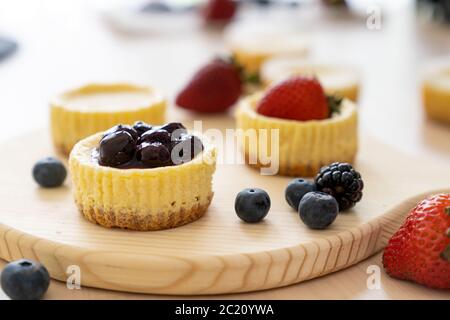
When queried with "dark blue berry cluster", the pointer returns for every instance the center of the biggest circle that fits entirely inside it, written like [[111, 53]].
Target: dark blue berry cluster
[[146, 146], [336, 187]]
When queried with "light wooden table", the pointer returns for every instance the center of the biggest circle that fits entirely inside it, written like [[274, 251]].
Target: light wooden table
[[64, 43], [346, 284]]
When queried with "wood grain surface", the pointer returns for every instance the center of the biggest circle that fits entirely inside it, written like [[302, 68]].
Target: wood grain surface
[[218, 253]]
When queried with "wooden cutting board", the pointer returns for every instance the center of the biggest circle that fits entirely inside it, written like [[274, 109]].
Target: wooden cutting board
[[218, 253]]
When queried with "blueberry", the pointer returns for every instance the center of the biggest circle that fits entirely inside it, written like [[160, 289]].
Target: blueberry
[[252, 205], [318, 209], [49, 172], [158, 135], [141, 127], [295, 191], [125, 128], [186, 148], [25, 280], [173, 126], [116, 148], [150, 145], [156, 6], [263, 2], [153, 155]]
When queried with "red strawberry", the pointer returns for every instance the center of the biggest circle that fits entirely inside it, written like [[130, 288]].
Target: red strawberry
[[214, 88], [219, 10], [420, 250], [297, 98]]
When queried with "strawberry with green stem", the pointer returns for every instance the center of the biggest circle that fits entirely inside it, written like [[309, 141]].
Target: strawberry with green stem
[[300, 98], [215, 87]]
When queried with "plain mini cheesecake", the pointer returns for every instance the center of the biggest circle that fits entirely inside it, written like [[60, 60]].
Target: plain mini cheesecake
[[304, 145], [81, 112], [436, 93], [128, 177]]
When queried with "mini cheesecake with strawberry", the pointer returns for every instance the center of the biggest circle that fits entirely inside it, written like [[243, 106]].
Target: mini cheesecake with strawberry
[[314, 129]]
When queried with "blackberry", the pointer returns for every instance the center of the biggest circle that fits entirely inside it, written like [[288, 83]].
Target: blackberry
[[342, 182], [143, 145]]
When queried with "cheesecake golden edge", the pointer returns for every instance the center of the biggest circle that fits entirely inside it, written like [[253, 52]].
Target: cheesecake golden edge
[[68, 126], [436, 102]]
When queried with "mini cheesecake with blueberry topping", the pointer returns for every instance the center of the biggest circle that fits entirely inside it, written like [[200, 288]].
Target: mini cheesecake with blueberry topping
[[143, 177]]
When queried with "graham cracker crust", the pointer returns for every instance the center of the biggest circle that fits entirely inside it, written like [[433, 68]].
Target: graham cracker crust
[[130, 219]]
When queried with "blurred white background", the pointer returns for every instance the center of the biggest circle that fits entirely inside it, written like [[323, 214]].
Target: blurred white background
[[67, 43]]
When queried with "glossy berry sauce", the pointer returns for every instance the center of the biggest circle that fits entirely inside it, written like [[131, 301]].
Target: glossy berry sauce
[[144, 146]]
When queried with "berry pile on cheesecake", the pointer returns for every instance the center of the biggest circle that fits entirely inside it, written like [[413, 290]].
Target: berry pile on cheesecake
[[49, 172], [146, 146], [314, 129]]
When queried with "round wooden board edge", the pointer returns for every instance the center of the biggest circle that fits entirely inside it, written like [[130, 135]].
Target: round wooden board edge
[[203, 275]]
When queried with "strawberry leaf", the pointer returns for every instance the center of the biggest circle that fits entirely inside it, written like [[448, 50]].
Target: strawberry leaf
[[249, 78], [334, 103], [252, 78], [446, 254]]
